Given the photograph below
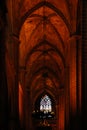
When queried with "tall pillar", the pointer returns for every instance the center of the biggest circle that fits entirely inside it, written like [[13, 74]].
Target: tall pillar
[[3, 84], [79, 81], [3, 80], [22, 117], [61, 112], [67, 98], [84, 64], [14, 117], [28, 112], [73, 80], [57, 115]]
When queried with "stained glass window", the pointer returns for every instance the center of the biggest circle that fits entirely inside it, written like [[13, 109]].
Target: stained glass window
[[45, 104]]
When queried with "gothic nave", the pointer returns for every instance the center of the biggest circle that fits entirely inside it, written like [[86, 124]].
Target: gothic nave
[[43, 65]]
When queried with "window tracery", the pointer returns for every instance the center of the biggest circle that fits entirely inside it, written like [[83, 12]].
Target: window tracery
[[45, 104]]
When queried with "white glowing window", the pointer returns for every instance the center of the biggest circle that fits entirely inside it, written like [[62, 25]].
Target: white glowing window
[[45, 104]]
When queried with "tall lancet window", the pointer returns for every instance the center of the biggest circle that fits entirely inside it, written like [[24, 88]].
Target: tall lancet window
[[45, 104]]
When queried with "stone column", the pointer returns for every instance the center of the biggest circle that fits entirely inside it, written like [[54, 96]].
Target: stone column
[[3, 79], [74, 85], [3, 84], [22, 72], [75, 80], [67, 98], [14, 117], [84, 64], [61, 112], [28, 112], [79, 81], [57, 113]]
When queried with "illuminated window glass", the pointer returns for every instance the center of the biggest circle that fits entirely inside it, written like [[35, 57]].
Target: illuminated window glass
[[45, 104]]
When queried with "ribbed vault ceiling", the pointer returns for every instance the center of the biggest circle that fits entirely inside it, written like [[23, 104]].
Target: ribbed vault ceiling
[[47, 26]]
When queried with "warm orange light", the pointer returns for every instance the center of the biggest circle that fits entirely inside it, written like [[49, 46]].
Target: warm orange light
[[61, 112], [20, 103]]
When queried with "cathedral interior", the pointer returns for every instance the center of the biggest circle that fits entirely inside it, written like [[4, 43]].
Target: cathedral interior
[[43, 65]]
